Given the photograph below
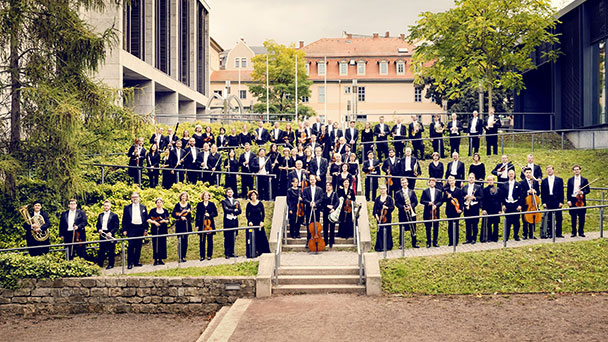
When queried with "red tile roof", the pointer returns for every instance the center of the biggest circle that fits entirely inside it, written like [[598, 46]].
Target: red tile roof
[[358, 47], [231, 75]]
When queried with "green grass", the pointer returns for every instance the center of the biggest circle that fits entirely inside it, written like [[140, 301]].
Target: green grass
[[546, 268], [239, 269]]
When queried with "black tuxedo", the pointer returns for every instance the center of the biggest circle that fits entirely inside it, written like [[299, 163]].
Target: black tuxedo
[[351, 138], [417, 144], [577, 213], [399, 133], [491, 203], [552, 198], [107, 248], [175, 163], [459, 172], [511, 207], [528, 228], [161, 141], [413, 166], [137, 160], [169, 141], [454, 136], [133, 230], [537, 172], [29, 238], [276, 136], [221, 141], [504, 175], [371, 183], [80, 221], [263, 137], [437, 138], [474, 131], [381, 136], [316, 128], [245, 138], [472, 223], [308, 199], [329, 228], [393, 169], [425, 199], [404, 216], [231, 213], [492, 141], [193, 162], [262, 167], [246, 180], [313, 167], [294, 174]]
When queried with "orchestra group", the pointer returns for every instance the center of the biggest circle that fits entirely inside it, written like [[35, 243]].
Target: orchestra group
[[318, 172]]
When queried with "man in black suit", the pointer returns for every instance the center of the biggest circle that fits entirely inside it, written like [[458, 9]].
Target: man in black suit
[[511, 203], [299, 174], [158, 139], [193, 161], [415, 131], [410, 168], [399, 133], [475, 129], [37, 217], [107, 226], [177, 160], [537, 172], [431, 199], [392, 167], [261, 166], [530, 186], [245, 160], [72, 225], [313, 197], [134, 224], [501, 171], [473, 195], [352, 136], [491, 205], [261, 134], [407, 212], [313, 144], [454, 130], [492, 124], [456, 169], [436, 129], [381, 132], [577, 185], [170, 139], [137, 156], [371, 166], [277, 134], [318, 167], [316, 127], [232, 210], [552, 192]]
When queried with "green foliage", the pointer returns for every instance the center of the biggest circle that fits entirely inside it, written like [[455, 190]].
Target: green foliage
[[281, 75], [246, 269], [483, 44], [565, 267], [14, 267]]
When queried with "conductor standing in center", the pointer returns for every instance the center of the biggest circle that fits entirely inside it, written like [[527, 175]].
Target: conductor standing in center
[[313, 199]]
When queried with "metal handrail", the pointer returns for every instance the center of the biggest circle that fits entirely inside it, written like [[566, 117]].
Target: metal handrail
[[184, 169], [357, 237], [517, 213], [277, 254]]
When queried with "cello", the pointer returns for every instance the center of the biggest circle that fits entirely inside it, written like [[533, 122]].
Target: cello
[[316, 243], [533, 204]]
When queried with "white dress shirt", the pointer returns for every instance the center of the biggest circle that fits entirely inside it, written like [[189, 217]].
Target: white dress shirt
[[454, 170], [104, 220], [551, 181], [71, 219], [319, 166], [262, 165], [474, 125], [432, 191], [408, 160], [577, 185], [135, 214], [511, 187]]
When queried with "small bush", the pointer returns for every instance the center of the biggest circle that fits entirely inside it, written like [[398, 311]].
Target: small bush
[[14, 267]]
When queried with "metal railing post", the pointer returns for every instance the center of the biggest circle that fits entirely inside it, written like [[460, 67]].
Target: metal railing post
[[270, 187], [504, 232], [139, 177], [67, 254], [532, 135], [123, 256], [602, 217], [402, 240], [593, 139], [384, 240], [103, 175], [179, 249], [562, 140], [502, 144], [253, 252], [553, 226], [454, 223]]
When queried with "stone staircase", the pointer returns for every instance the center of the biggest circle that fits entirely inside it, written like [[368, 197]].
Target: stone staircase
[[299, 245], [311, 279]]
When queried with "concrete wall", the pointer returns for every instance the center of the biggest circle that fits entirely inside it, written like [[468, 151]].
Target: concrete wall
[[589, 139], [196, 295]]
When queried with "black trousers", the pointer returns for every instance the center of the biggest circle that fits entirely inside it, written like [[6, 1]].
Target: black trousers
[[398, 145], [182, 246], [74, 250], [209, 240], [295, 222], [134, 248], [492, 145], [558, 223], [528, 228], [106, 249], [493, 223], [433, 237], [472, 224], [193, 176], [329, 230], [407, 227], [455, 145], [246, 185], [263, 187], [511, 220], [473, 145], [453, 232], [418, 151], [578, 214], [179, 176], [229, 237], [153, 177], [371, 186], [382, 150], [438, 147], [31, 242]]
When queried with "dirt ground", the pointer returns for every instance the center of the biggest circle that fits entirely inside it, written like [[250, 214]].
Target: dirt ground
[[91, 327], [456, 318]]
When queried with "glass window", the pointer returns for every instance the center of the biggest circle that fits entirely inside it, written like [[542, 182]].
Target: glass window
[[321, 94], [305, 99], [307, 69], [243, 94], [383, 68], [347, 90], [243, 62], [417, 95], [400, 68], [602, 84], [360, 68], [361, 94], [321, 68], [343, 68], [237, 62]]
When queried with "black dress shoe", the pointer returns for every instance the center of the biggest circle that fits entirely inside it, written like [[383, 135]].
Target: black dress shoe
[[160, 262], [573, 235], [208, 258], [435, 244], [109, 267], [517, 238], [138, 265], [201, 259], [581, 235], [428, 245], [415, 246], [450, 244], [155, 263], [473, 242], [227, 257], [130, 266], [525, 238], [464, 243], [560, 236]]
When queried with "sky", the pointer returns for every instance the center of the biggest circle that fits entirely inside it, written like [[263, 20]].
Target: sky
[[289, 21]]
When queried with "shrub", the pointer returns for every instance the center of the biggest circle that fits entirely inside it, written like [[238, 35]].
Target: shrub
[[14, 267]]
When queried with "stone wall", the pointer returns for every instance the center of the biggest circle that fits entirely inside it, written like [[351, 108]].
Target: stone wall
[[196, 295]]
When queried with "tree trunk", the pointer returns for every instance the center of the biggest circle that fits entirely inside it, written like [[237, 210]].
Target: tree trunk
[[489, 98], [481, 111], [15, 109]]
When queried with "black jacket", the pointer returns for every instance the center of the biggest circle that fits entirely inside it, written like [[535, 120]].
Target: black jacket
[[552, 201], [113, 222], [126, 220], [80, 221]]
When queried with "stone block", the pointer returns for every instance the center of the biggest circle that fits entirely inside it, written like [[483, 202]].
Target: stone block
[[33, 299], [71, 282], [41, 291], [7, 293], [133, 282], [143, 292], [121, 282], [168, 300], [129, 291], [100, 282], [20, 300], [160, 282], [194, 282], [45, 283], [190, 291], [22, 292], [172, 291], [156, 300], [195, 299], [146, 282], [5, 300], [146, 300], [99, 292], [24, 283], [175, 281], [111, 282], [88, 282], [115, 291], [134, 300], [182, 300]]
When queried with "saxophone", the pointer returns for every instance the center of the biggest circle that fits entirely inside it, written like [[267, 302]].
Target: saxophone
[[38, 235]]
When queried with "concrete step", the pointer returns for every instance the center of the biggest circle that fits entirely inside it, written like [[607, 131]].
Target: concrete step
[[302, 247], [217, 319], [319, 270], [317, 289], [302, 240], [318, 279]]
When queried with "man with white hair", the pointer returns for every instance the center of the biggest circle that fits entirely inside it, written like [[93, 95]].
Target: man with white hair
[[475, 129], [454, 129]]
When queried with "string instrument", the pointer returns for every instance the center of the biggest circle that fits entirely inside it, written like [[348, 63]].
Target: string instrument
[[300, 206], [208, 138], [316, 242], [389, 180], [454, 201], [383, 215], [438, 127], [580, 196], [532, 203], [207, 224], [348, 207], [302, 139], [156, 218], [183, 213]]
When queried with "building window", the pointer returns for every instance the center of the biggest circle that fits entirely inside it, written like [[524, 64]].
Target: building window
[[237, 62], [307, 69], [347, 90], [244, 62], [361, 68], [133, 28], [305, 99], [321, 68], [201, 38], [400, 68], [417, 95], [184, 42], [218, 92], [343, 68], [162, 35], [383, 68], [361, 94], [321, 94], [243, 94]]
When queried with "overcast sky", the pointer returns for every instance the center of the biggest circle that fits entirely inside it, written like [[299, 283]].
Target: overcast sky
[[289, 21]]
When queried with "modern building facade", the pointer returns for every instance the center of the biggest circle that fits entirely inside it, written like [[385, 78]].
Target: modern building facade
[[163, 52], [574, 87], [364, 77]]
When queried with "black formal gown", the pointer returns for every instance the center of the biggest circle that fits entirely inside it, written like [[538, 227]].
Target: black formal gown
[[159, 244], [231, 165], [345, 229], [255, 215], [478, 170], [201, 210], [436, 172], [182, 226], [367, 137], [377, 211]]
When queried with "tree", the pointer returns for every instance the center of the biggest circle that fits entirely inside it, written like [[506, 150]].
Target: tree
[[482, 44], [47, 56], [281, 76]]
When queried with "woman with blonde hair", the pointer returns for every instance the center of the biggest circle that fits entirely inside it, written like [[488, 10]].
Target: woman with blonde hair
[[206, 212], [182, 212]]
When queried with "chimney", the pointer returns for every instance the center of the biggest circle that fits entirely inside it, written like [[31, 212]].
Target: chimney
[[349, 35], [376, 35], [402, 36], [301, 44], [387, 35]]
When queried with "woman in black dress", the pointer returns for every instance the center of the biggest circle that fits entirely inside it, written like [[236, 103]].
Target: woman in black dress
[[353, 169], [451, 191], [182, 212], [244, 136], [233, 138], [185, 138], [307, 158], [167, 176], [383, 211], [477, 168], [436, 169], [289, 136], [255, 217], [231, 164], [284, 170], [300, 153], [153, 159], [334, 170], [366, 136], [345, 229], [215, 163], [198, 136], [274, 159], [158, 218], [208, 136], [221, 140], [206, 212], [344, 175]]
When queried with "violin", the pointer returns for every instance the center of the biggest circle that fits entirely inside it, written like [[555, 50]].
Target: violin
[[580, 197], [300, 211], [183, 213], [348, 208], [389, 180], [532, 203], [383, 215], [316, 242], [454, 202], [156, 218], [207, 224]]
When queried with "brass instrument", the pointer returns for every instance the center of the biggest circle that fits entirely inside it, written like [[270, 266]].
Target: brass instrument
[[334, 216], [438, 127], [408, 203], [416, 127], [416, 169], [38, 220], [106, 236]]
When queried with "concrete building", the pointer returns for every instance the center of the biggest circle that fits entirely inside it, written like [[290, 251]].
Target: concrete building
[[163, 51], [364, 76]]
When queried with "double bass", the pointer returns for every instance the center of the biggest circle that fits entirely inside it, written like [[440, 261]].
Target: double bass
[[316, 243]]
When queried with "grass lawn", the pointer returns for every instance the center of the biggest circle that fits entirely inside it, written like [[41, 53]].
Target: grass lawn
[[567, 267], [238, 269]]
